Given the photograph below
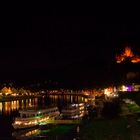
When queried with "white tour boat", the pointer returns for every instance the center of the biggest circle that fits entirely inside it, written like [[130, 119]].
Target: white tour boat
[[73, 111], [33, 117]]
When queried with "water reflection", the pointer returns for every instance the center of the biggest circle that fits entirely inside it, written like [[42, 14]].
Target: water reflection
[[57, 132], [25, 133], [9, 107], [9, 110], [66, 98], [0, 106]]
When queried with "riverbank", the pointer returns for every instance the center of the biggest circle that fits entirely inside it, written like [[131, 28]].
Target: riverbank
[[107, 129], [13, 98], [112, 125]]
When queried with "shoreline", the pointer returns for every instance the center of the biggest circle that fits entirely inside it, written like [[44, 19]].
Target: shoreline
[[13, 98]]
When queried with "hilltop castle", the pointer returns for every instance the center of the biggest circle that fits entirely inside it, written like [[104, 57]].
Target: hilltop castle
[[127, 55]]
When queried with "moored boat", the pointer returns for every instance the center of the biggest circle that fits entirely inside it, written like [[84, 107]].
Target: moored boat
[[34, 117], [73, 111]]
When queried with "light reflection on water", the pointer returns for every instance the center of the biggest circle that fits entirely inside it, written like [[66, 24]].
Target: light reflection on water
[[9, 107], [56, 133], [9, 110], [25, 133]]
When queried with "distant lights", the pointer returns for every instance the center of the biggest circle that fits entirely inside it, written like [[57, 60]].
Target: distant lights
[[128, 54], [108, 91], [126, 88], [111, 92]]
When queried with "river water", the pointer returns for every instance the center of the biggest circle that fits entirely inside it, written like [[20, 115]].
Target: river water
[[9, 110]]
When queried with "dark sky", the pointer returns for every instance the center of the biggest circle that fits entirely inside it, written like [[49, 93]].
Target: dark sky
[[72, 49]]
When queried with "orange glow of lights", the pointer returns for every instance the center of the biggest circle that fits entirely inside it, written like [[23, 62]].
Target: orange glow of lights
[[108, 91], [128, 54]]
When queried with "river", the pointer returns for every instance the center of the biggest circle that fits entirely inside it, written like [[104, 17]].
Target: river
[[9, 110]]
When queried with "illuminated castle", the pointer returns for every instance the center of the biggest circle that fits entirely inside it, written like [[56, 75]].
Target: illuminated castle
[[127, 55]]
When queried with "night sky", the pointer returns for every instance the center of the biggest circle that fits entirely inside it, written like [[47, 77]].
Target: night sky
[[77, 50]]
